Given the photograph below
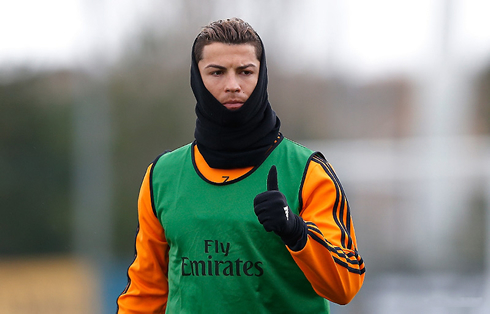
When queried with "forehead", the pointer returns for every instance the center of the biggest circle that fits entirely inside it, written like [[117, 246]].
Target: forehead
[[217, 51]]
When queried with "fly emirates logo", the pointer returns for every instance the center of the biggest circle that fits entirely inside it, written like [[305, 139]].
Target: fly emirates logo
[[221, 266]]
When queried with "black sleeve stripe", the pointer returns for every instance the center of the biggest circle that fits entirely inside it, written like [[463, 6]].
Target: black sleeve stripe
[[312, 229], [318, 236], [350, 269], [338, 214], [347, 222], [345, 264], [336, 203], [338, 192], [335, 249], [300, 194], [346, 203], [312, 226]]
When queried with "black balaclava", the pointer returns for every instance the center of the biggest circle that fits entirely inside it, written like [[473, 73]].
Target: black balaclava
[[234, 139]]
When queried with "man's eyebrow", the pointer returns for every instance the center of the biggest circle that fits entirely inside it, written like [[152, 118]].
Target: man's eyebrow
[[215, 66], [247, 66], [224, 68]]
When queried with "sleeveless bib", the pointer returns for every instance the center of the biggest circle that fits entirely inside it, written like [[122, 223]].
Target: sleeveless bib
[[221, 260]]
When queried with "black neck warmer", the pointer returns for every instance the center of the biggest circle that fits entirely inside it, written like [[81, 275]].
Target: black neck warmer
[[234, 139]]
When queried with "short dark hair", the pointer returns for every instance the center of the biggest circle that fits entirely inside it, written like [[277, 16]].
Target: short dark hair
[[230, 31]]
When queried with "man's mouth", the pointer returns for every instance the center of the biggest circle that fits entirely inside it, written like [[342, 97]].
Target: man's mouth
[[233, 105]]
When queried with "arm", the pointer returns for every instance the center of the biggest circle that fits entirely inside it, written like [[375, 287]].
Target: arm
[[147, 288], [329, 259], [321, 239]]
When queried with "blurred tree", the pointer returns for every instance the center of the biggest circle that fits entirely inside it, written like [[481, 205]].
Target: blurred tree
[[34, 165], [153, 111], [483, 103]]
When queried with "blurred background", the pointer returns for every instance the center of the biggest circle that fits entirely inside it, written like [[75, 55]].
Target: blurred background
[[396, 94]]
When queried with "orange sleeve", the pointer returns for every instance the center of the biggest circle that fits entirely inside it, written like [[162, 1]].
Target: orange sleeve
[[329, 260], [147, 288]]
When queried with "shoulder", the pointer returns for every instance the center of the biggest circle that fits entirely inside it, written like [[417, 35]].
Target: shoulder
[[300, 150], [169, 155], [294, 149]]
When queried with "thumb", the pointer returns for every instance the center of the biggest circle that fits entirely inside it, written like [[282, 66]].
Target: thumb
[[272, 180]]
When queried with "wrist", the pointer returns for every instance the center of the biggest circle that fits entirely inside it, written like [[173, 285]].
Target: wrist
[[296, 238]]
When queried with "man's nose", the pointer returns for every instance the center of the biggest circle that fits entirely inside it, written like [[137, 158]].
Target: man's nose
[[232, 84]]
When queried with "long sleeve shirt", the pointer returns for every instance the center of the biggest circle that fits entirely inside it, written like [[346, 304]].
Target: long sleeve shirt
[[329, 260]]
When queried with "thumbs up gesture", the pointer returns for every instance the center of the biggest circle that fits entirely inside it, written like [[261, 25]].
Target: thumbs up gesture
[[274, 214]]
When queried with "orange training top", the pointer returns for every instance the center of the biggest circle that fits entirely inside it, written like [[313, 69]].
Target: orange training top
[[329, 260]]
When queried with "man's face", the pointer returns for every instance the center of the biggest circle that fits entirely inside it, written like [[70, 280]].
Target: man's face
[[229, 72]]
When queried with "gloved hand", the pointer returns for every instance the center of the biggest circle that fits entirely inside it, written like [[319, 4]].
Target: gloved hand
[[274, 214]]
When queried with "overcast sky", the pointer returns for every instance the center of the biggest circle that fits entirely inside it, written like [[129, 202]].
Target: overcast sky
[[366, 36]]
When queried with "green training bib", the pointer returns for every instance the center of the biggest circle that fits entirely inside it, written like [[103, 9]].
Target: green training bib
[[221, 260]]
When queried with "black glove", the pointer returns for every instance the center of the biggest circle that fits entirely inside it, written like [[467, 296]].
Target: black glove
[[275, 215]]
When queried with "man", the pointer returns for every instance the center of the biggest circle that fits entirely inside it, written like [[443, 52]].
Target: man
[[242, 220]]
